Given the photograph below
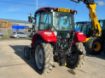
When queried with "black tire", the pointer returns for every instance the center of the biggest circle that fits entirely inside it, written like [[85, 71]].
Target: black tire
[[43, 57], [97, 46], [82, 53], [27, 53], [94, 46], [74, 59]]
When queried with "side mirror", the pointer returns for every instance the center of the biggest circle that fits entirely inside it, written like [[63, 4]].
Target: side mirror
[[30, 19]]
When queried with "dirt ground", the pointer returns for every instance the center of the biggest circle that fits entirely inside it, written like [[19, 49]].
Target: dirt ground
[[13, 65]]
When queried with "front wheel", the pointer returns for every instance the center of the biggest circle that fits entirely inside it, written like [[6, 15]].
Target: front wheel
[[94, 46], [43, 57], [27, 52]]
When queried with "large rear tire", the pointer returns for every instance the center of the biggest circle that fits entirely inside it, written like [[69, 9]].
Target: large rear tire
[[76, 57], [43, 57], [82, 54]]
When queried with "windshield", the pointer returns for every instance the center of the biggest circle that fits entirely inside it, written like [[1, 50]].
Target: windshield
[[62, 21]]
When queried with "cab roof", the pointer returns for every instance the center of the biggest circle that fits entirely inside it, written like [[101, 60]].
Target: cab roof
[[49, 9], [83, 22]]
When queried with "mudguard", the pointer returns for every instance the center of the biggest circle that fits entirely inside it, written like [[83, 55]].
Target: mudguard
[[46, 36], [80, 37]]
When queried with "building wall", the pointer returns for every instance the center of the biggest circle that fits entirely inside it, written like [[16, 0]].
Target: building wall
[[5, 24], [6, 27]]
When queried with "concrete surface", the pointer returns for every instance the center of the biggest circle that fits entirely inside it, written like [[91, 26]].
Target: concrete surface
[[13, 65]]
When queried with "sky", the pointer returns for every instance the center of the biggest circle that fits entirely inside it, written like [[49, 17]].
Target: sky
[[20, 9]]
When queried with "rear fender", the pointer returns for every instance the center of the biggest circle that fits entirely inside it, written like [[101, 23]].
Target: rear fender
[[80, 37], [46, 36]]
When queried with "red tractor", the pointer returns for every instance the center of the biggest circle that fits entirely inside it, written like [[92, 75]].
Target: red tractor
[[55, 40]]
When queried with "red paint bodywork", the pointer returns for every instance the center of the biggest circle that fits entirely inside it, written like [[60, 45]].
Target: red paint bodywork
[[80, 37], [46, 35], [50, 37]]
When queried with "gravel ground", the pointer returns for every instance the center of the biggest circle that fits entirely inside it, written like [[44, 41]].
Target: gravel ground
[[13, 65]]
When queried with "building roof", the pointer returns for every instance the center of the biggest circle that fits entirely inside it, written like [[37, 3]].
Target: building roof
[[16, 21]]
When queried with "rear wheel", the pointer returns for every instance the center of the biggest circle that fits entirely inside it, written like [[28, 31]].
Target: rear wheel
[[76, 58], [43, 57], [72, 60]]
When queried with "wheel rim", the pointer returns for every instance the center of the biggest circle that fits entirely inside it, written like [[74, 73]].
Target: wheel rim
[[39, 57], [97, 46]]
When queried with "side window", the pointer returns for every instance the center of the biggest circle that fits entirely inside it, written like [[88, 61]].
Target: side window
[[45, 22], [37, 21]]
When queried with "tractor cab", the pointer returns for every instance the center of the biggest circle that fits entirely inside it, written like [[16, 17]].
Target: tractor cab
[[102, 23], [55, 22], [57, 19]]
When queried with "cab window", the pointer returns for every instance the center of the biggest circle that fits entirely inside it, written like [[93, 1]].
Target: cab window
[[45, 21]]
